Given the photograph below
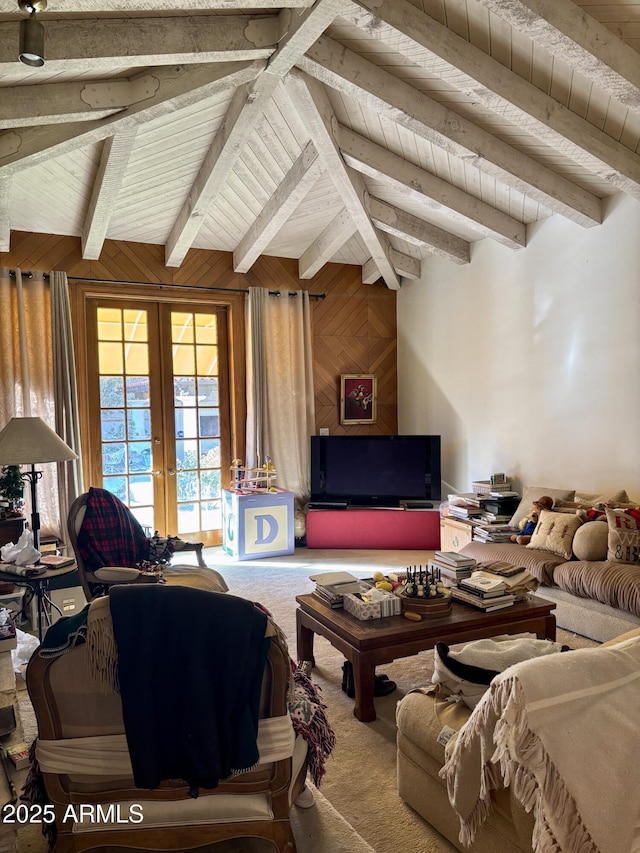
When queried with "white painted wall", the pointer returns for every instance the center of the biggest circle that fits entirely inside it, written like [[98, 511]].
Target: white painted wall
[[528, 362]]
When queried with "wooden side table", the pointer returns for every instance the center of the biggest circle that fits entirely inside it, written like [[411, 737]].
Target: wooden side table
[[454, 533]]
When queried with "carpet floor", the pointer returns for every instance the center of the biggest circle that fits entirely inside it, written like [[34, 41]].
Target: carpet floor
[[358, 808]]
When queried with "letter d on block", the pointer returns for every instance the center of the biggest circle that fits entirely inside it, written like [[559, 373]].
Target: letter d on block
[[265, 537]]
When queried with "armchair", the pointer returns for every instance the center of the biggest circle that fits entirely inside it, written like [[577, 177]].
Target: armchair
[[83, 734], [100, 566]]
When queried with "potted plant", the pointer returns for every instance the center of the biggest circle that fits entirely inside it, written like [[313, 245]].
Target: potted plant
[[11, 488]]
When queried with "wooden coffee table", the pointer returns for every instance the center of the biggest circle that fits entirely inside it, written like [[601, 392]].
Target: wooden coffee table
[[368, 644]]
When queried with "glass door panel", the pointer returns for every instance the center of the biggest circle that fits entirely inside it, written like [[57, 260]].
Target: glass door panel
[[195, 363], [159, 412], [125, 409]]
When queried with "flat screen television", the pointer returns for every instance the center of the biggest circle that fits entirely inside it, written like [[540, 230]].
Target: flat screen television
[[375, 470]]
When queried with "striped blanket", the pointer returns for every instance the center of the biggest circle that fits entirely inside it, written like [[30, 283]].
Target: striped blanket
[[562, 732]]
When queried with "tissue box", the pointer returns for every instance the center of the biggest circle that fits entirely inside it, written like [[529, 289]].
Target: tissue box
[[387, 604]]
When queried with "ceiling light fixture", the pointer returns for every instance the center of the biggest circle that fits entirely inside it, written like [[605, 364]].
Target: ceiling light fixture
[[32, 34]]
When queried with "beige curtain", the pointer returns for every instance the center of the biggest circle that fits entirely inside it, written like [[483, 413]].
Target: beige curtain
[[28, 377], [70, 479], [280, 402]]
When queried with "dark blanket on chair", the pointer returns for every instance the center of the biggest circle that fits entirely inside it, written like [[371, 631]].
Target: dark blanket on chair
[[110, 534], [190, 666]]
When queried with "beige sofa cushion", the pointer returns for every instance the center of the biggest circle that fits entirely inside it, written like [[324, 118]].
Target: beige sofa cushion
[[532, 493], [554, 532]]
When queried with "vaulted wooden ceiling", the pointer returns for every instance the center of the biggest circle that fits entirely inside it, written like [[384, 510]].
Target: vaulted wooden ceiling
[[368, 132]]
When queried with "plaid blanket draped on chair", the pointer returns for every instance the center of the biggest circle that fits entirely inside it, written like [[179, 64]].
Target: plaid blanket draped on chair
[[110, 534]]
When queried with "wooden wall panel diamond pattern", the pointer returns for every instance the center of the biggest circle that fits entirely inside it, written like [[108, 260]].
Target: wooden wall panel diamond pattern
[[354, 326]]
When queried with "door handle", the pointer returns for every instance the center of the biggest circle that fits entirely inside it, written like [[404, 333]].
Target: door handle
[[172, 472]]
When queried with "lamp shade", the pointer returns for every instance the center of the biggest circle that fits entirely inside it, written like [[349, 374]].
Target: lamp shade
[[26, 441]]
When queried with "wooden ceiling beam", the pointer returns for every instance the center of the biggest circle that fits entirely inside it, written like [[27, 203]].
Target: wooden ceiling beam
[[570, 34], [55, 103], [74, 46], [405, 265], [327, 243], [242, 117], [428, 190], [176, 88], [296, 184], [408, 227], [116, 152], [373, 87], [313, 105], [140, 7], [472, 71]]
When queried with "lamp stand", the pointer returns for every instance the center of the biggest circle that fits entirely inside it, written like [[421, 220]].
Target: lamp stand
[[33, 476]]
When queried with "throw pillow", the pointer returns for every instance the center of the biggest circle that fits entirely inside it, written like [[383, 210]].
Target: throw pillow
[[595, 497], [624, 536], [591, 540], [554, 532], [532, 493]]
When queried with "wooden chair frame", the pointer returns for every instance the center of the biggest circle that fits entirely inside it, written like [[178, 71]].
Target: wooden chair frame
[[274, 779]]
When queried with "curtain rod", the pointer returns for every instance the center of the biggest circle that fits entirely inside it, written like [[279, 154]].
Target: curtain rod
[[29, 274]]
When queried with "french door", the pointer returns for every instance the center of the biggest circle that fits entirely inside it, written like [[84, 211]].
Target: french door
[[159, 411]]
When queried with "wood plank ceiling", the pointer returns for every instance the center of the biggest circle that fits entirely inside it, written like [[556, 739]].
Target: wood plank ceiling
[[366, 132]]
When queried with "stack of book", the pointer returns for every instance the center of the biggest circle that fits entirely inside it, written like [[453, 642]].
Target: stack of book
[[465, 505], [485, 591], [494, 532], [331, 587], [451, 566]]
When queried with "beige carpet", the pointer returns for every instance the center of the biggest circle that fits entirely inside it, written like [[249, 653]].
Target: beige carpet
[[359, 808]]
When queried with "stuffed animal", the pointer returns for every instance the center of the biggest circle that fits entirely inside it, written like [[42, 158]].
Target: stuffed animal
[[528, 524]]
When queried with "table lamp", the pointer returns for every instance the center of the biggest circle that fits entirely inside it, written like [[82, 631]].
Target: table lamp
[[29, 441]]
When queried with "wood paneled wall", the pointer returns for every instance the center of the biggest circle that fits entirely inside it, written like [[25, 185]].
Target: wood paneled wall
[[354, 325]]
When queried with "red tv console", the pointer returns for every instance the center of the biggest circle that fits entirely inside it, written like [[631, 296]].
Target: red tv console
[[381, 529]]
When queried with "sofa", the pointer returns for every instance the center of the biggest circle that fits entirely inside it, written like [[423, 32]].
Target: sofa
[[448, 773], [582, 560]]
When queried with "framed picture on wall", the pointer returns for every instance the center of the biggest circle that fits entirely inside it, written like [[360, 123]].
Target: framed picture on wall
[[357, 398]]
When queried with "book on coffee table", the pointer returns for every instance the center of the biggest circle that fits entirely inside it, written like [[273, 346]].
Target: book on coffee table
[[497, 602], [452, 558]]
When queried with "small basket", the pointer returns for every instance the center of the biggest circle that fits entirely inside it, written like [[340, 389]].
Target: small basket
[[6, 587], [485, 487]]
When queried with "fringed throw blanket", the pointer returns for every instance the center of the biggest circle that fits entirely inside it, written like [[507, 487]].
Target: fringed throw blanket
[[190, 666], [562, 732], [310, 722]]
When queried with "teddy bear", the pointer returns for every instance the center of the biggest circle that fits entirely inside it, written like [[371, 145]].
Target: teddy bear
[[528, 524]]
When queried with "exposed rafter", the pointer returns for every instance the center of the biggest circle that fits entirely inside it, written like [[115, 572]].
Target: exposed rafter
[[333, 237], [113, 163], [567, 32], [296, 184], [173, 89], [245, 111], [107, 44], [470, 70], [206, 122], [314, 107], [414, 230], [379, 163], [343, 70]]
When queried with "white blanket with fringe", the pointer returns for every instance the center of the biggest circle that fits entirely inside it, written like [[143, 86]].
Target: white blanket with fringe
[[562, 732]]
